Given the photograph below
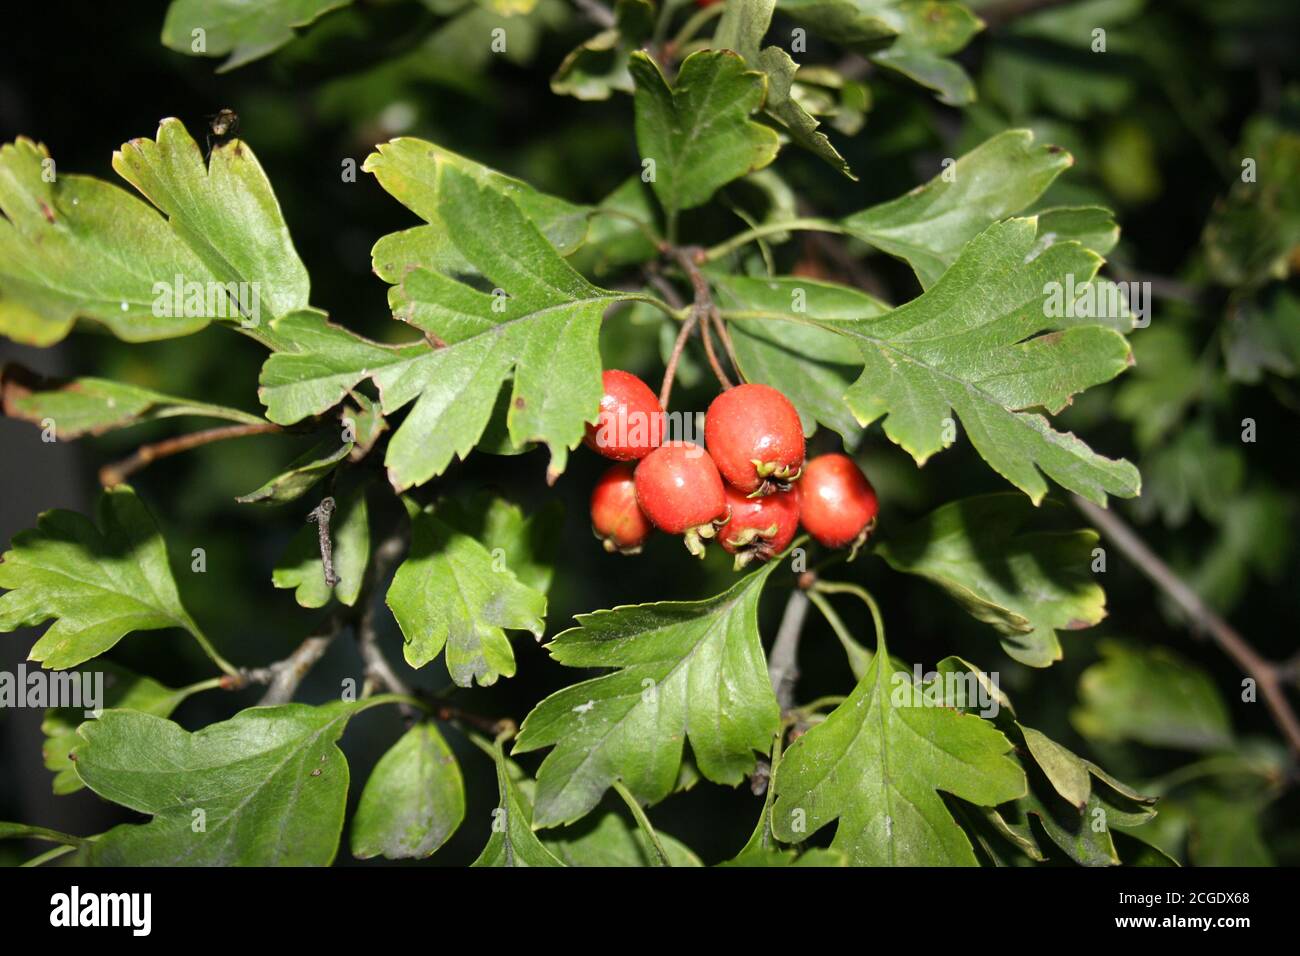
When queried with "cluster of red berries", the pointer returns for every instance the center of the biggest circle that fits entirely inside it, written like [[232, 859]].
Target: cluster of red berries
[[751, 489]]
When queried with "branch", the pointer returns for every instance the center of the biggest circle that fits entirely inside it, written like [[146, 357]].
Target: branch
[[689, 257], [596, 12], [283, 677], [320, 516], [119, 471], [1267, 675], [782, 666]]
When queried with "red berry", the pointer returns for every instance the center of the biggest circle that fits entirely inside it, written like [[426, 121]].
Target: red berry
[[756, 439], [760, 527], [631, 423], [616, 518], [680, 491], [838, 503]]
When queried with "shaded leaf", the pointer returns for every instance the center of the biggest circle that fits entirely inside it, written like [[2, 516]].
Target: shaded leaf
[[245, 31], [270, 783], [1025, 583], [807, 362], [123, 690], [1151, 696], [876, 767], [609, 840], [513, 842], [689, 670], [413, 801], [928, 226], [300, 475], [452, 592], [598, 68], [92, 406], [99, 580]]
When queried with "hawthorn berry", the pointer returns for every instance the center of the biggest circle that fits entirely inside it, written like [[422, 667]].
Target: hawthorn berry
[[837, 504], [631, 423], [755, 437], [616, 518], [760, 527], [679, 489]]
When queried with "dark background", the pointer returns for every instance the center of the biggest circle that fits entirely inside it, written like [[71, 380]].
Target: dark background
[[1185, 78]]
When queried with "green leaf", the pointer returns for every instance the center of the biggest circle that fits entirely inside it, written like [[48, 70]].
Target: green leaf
[[245, 31], [81, 248], [685, 670], [807, 362], [452, 592], [877, 765], [1264, 337], [525, 545], [928, 226], [513, 842], [300, 566], [413, 801], [300, 475], [224, 211], [920, 34], [99, 580], [541, 322], [60, 255], [123, 690], [699, 133], [1227, 831], [410, 169], [317, 363], [1071, 801], [607, 839], [598, 68], [1024, 583], [1151, 696], [1092, 226], [270, 783], [742, 28], [92, 406], [929, 32], [968, 345]]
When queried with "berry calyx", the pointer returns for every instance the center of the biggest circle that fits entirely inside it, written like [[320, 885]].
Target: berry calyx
[[755, 437], [760, 527], [837, 505], [631, 423], [679, 489], [616, 518]]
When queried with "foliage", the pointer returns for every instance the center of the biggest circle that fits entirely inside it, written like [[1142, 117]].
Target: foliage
[[913, 231]]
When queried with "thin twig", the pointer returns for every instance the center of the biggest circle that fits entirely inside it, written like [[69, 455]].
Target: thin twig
[[377, 666], [283, 677], [782, 664], [728, 346], [670, 373], [320, 516], [1268, 676], [119, 471], [596, 12], [689, 258]]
